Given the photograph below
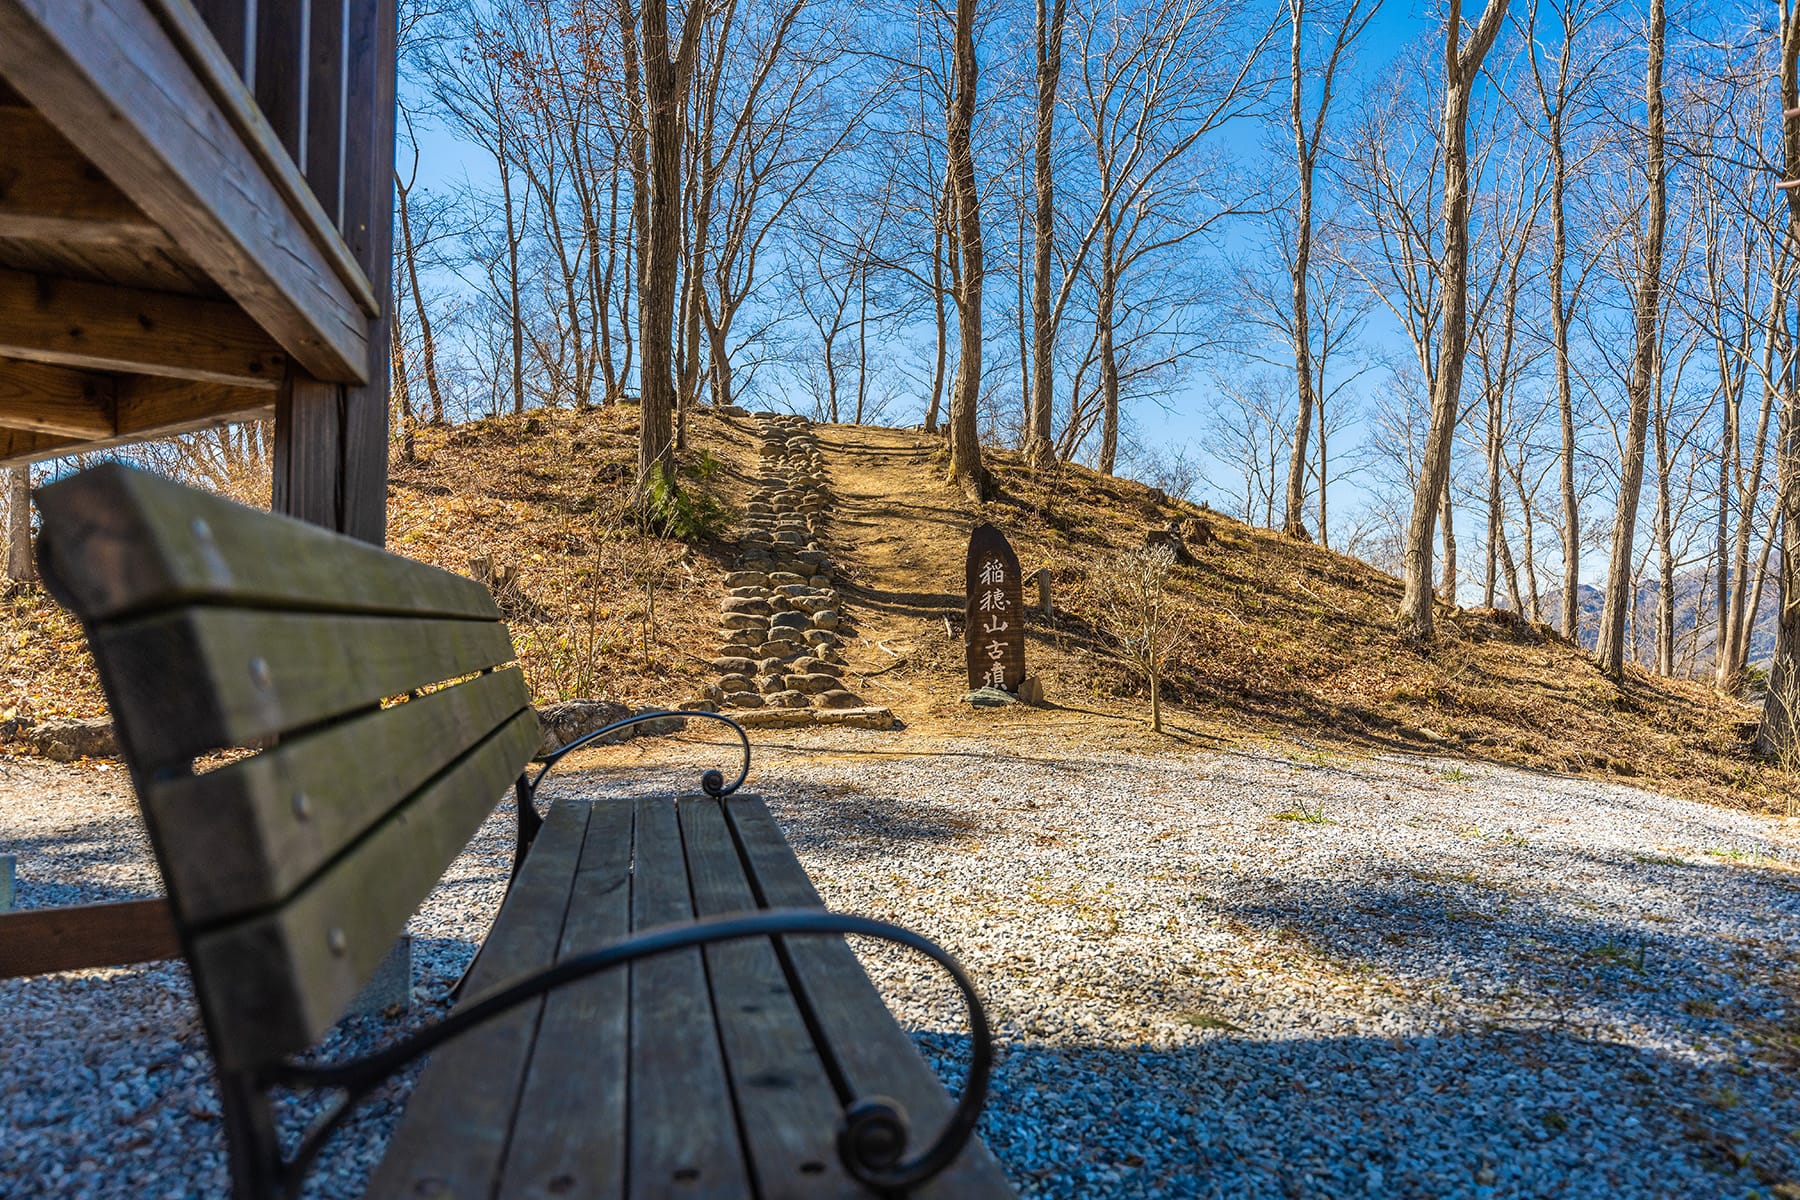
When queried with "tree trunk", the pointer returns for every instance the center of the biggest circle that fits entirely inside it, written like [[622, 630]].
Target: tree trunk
[[20, 566], [1109, 367], [939, 249], [1559, 336], [1619, 578], [1729, 454], [966, 471], [665, 83], [1039, 445], [427, 349], [1155, 700], [608, 368], [402, 385], [1460, 68], [1448, 517], [1293, 520], [1779, 731]]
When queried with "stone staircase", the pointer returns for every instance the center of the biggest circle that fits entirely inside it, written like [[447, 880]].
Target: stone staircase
[[780, 659]]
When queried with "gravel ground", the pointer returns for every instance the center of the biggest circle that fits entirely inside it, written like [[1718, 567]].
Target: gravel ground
[[1222, 974]]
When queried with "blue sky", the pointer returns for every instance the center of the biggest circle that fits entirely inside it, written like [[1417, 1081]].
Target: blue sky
[[446, 162]]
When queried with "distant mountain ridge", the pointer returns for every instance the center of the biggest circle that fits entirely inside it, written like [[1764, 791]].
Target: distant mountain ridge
[[1696, 626]]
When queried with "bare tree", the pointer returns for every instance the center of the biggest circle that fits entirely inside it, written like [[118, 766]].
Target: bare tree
[[1644, 367], [667, 68], [1462, 63], [1779, 731], [1052, 15], [1155, 81], [20, 566], [966, 470], [1557, 96], [1138, 611], [1307, 135]]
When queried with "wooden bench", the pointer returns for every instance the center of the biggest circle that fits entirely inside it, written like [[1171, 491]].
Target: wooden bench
[[662, 1007]]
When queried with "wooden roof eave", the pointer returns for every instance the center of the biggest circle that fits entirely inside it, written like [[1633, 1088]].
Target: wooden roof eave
[[144, 92]]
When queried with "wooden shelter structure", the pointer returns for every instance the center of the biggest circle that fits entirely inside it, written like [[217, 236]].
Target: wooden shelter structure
[[196, 205]]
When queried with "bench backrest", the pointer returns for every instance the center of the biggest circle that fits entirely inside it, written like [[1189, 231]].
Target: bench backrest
[[291, 870]]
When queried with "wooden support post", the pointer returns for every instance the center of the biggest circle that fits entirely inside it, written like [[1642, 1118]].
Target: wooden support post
[[1043, 584], [331, 440]]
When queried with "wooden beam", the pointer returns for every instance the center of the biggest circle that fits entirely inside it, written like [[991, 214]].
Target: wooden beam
[[140, 407], [50, 192], [36, 941], [101, 327], [18, 447], [151, 407], [44, 399], [179, 135]]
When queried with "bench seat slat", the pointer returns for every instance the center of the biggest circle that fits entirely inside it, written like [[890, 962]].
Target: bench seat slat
[[615, 1083], [873, 1053], [126, 541], [267, 673], [683, 1131], [288, 974], [245, 836], [452, 1135], [569, 1135], [785, 1100]]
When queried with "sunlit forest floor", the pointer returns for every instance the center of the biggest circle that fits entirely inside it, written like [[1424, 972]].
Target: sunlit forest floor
[[1292, 642]]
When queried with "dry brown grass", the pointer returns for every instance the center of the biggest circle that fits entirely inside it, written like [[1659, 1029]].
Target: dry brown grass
[[1290, 640], [1295, 640]]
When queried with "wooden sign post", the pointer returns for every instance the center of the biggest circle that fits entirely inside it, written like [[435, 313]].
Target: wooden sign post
[[994, 621]]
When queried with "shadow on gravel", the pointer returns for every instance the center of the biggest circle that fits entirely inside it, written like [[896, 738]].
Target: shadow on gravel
[[1467, 1115], [875, 823], [1537, 956]]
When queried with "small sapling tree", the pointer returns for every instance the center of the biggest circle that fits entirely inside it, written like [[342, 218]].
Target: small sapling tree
[[1137, 611]]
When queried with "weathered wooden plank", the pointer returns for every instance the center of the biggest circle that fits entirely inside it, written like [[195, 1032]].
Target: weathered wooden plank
[[124, 541], [176, 130], [368, 227], [149, 406], [145, 406], [785, 1102], [683, 1132], [17, 446], [40, 940], [103, 327], [308, 465], [56, 400], [873, 1053], [453, 1134], [50, 191], [247, 835], [274, 983], [569, 1133], [322, 162], [153, 266], [185, 682], [229, 21], [280, 86]]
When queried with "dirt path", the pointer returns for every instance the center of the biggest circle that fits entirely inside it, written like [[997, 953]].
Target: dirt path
[[899, 535]]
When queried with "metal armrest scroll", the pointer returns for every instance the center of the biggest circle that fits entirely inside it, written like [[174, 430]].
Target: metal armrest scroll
[[873, 1139], [525, 791], [712, 783]]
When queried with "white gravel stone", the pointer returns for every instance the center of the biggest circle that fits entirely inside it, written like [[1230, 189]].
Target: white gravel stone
[[1450, 980]]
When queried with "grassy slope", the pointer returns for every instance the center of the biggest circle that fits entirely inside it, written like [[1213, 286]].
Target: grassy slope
[[1291, 640]]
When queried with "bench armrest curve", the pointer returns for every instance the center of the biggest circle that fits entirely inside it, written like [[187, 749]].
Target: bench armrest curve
[[872, 1142]]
